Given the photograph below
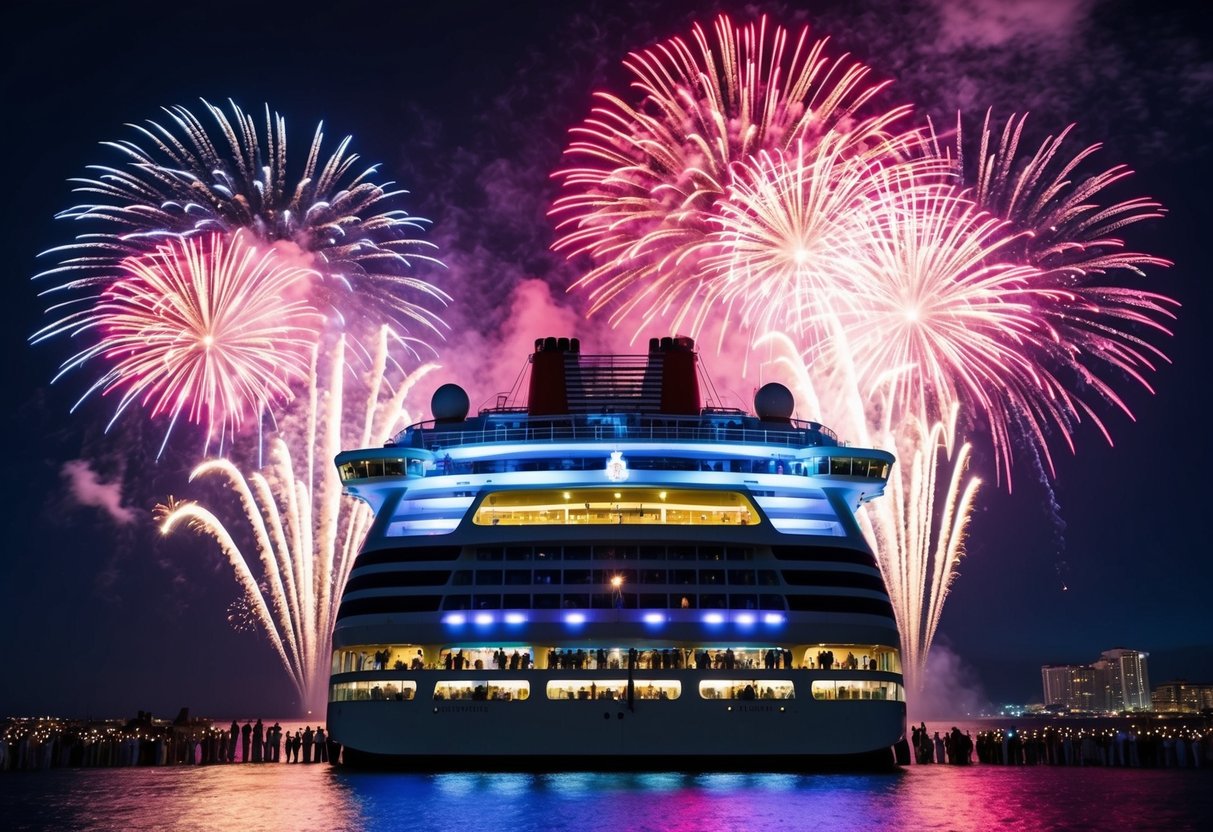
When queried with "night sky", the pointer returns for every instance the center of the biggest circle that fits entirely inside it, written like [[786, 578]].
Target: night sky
[[467, 106]]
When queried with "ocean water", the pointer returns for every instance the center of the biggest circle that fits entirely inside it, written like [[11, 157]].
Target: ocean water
[[268, 797]]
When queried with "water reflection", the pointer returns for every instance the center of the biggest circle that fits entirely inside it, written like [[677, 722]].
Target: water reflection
[[281, 797]]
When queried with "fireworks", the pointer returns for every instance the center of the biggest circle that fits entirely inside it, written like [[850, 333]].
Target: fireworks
[[641, 198], [180, 312], [743, 185], [305, 534], [204, 327], [179, 180]]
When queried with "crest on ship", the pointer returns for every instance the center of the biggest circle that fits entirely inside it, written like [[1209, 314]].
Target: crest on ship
[[617, 467]]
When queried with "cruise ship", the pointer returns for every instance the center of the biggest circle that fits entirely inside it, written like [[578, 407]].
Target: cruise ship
[[615, 575]]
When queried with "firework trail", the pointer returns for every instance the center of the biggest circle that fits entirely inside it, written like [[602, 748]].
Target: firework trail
[[200, 194], [305, 535], [918, 305], [644, 182], [203, 327]]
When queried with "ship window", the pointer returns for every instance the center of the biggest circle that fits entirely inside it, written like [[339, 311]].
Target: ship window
[[363, 657], [517, 577], [488, 553], [606, 577], [516, 602], [840, 603], [518, 553], [652, 553], [831, 690], [767, 577], [683, 576], [682, 553], [462, 578], [486, 602], [654, 602], [632, 506], [388, 604], [392, 580], [385, 690], [715, 577], [575, 601], [833, 578], [615, 553], [747, 689], [712, 602], [686, 601], [711, 553], [830, 554], [772, 602], [576, 552], [483, 690], [578, 576], [741, 577], [457, 602], [878, 657], [739, 553], [488, 577], [613, 689], [547, 602], [547, 576], [743, 602], [652, 576]]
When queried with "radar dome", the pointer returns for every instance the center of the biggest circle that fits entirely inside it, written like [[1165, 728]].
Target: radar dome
[[774, 402], [449, 403]]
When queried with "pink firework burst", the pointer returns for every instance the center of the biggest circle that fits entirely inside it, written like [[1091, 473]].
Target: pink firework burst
[[645, 178], [209, 328]]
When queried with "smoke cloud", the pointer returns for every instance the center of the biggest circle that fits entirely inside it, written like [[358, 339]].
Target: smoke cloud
[[86, 488], [951, 689]]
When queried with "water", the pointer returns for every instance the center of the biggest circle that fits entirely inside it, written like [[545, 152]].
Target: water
[[270, 797]]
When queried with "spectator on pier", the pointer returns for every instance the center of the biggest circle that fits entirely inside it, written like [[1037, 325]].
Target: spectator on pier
[[231, 748], [308, 739], [246, 739], [322, 746], [258, 742], [275, 743]]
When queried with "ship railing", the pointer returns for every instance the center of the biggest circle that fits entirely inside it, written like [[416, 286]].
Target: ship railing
[[426, 435]]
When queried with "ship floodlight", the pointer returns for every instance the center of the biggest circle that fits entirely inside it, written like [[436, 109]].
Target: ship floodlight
[[574, 618], [654, 618], [772, 618], [745, 619], [515, 618], [455, 620], [713, 618], [483, 618], [617, 581]]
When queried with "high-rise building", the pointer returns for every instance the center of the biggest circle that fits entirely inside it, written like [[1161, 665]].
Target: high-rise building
[[1118, 681], [1129, 679]]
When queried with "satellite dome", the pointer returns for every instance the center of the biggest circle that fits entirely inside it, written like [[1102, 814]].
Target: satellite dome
[[449, 403], [774, 402]]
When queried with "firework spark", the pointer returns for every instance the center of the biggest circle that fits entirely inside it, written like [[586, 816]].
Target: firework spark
[[305, 535], [204, 328]]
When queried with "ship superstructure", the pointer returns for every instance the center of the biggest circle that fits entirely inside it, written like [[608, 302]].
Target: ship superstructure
[[615, 576]]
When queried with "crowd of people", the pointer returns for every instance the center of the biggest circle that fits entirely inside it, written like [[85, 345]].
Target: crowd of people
[[27, 744], [952, 748], [1132, 746]]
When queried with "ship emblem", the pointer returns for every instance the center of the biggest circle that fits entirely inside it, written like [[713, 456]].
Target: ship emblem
[[617, 467]]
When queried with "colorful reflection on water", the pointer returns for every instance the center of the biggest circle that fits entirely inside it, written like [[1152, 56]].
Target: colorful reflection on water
[[297, 797]]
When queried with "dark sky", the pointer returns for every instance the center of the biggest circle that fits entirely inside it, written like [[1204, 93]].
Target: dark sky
[[467, 104]]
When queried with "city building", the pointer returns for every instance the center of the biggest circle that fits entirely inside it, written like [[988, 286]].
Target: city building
[[1182, 697], [1118, 681]]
